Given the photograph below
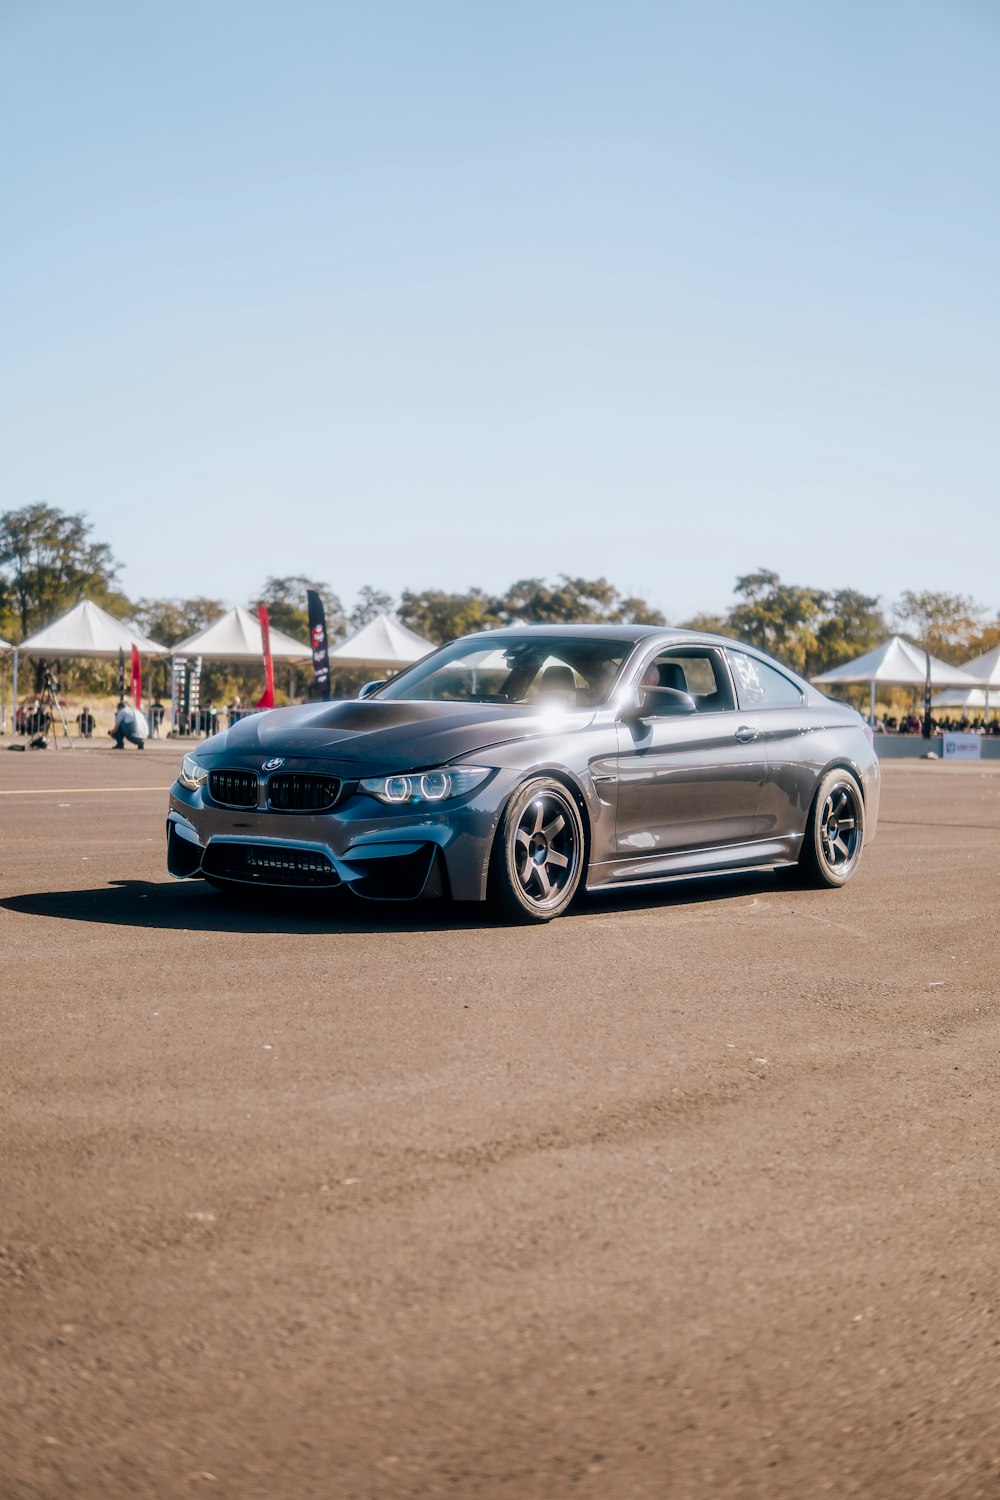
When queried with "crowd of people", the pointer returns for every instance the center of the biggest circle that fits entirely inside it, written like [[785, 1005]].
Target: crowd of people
[[34, 718], [206, 719], [914, 724]]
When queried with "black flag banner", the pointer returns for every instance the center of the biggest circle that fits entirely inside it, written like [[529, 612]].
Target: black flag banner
[[317, 640], [121, 672]]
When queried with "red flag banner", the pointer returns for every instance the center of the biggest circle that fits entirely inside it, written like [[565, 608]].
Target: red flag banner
[[136, 678], [267, 701]]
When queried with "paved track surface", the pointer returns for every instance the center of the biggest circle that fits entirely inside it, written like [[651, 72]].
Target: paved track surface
[[690, 1194]]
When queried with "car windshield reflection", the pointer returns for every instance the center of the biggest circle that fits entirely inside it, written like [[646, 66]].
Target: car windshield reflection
[[575, 672]]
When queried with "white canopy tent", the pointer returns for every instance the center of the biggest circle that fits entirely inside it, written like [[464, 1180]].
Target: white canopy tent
[[381, 643], [985, 670], [235, 636], [88, 630], [85, 630], [956, 698], [896, 663]]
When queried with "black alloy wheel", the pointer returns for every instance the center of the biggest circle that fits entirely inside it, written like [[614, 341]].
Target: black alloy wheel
[[834, 836], [537, 859]]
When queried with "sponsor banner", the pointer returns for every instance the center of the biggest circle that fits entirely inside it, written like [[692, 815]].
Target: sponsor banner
[[185, 692], [121, 672], [961, 746], [318, 642], [136, 678], [267, 700]]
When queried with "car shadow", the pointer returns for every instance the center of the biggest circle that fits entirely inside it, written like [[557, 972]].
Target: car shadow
[[171, 906]]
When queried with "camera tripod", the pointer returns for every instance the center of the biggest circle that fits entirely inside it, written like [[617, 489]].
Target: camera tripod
[[48, 700]]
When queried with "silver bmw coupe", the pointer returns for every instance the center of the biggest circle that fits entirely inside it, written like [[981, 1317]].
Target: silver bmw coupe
[[519, 765]]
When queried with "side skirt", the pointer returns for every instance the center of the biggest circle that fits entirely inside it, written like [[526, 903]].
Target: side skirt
[[731, 859]]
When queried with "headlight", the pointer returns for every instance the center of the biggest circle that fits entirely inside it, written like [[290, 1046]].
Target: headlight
[[425, 786], [193, 774]]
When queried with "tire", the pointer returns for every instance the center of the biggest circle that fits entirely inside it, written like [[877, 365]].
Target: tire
[[537, 860], [834, 836]]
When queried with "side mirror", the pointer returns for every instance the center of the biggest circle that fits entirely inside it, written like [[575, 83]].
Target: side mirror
[[659, 703], [370, 687]]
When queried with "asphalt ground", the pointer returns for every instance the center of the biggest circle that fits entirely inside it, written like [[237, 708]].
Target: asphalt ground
[[693, 1193]]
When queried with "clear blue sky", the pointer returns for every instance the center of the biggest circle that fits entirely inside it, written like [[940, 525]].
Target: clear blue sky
[[450, 293]]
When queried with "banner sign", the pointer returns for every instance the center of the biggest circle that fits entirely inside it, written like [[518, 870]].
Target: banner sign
[[927, 698], [121, 672], [317, 639], [267, 700], [961, 746], [185, 692], [136, 678]]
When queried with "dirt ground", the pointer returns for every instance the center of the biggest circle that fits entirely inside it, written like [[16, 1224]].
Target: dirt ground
[[693, 1193]]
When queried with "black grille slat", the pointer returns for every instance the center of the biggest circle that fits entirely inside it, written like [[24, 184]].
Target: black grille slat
[[300, 793], [234, 788], [268, 864]]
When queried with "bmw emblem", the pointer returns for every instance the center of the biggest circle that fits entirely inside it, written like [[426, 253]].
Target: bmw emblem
[[272, 765]]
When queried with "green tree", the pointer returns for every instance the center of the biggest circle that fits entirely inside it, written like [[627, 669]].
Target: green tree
[[371, 603], [440, 617], [708, 623], [288, 610], [987, 640], [780, 618], [48, 563], [572, 600], [947, 625], [854, 624], [171, 620], [638, 612]]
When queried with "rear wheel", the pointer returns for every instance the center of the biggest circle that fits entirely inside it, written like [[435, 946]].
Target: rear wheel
[[537, 859], [831, 847]]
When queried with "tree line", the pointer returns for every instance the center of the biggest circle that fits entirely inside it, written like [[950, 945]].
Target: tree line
[[49, 561]]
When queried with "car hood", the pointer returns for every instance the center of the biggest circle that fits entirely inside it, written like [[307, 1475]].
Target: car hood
[[371, 735]]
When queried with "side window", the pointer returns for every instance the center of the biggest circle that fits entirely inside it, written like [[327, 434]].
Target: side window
[[699, 671], [761, 686]]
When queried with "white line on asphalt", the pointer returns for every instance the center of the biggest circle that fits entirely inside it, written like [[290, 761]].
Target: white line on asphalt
[[65, 791]]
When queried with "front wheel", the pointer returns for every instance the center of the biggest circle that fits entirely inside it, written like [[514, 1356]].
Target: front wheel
[[831, 847], [537, 859]]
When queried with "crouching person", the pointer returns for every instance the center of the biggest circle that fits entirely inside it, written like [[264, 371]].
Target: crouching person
[[130, 724]]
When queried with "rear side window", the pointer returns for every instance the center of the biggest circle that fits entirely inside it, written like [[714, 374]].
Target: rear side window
[[761, 686]]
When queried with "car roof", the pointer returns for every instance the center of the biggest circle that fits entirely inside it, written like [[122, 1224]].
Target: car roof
[[599, 630]]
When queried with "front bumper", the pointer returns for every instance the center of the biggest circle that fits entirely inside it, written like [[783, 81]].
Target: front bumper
[[376, 851]]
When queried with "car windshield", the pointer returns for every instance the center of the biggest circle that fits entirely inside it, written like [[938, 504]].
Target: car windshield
[[574, 671]]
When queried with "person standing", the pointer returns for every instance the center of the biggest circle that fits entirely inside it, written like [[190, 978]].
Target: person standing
[[130, 724]]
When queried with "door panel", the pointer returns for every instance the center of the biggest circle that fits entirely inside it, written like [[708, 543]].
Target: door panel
[[688, 782]]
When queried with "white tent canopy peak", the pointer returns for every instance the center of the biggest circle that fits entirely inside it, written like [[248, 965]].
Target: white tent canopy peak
[[897, 663], [382, 642], [236, 636], [88, 630]]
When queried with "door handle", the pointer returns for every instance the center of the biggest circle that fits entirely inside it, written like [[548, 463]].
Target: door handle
[[745, 734]]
